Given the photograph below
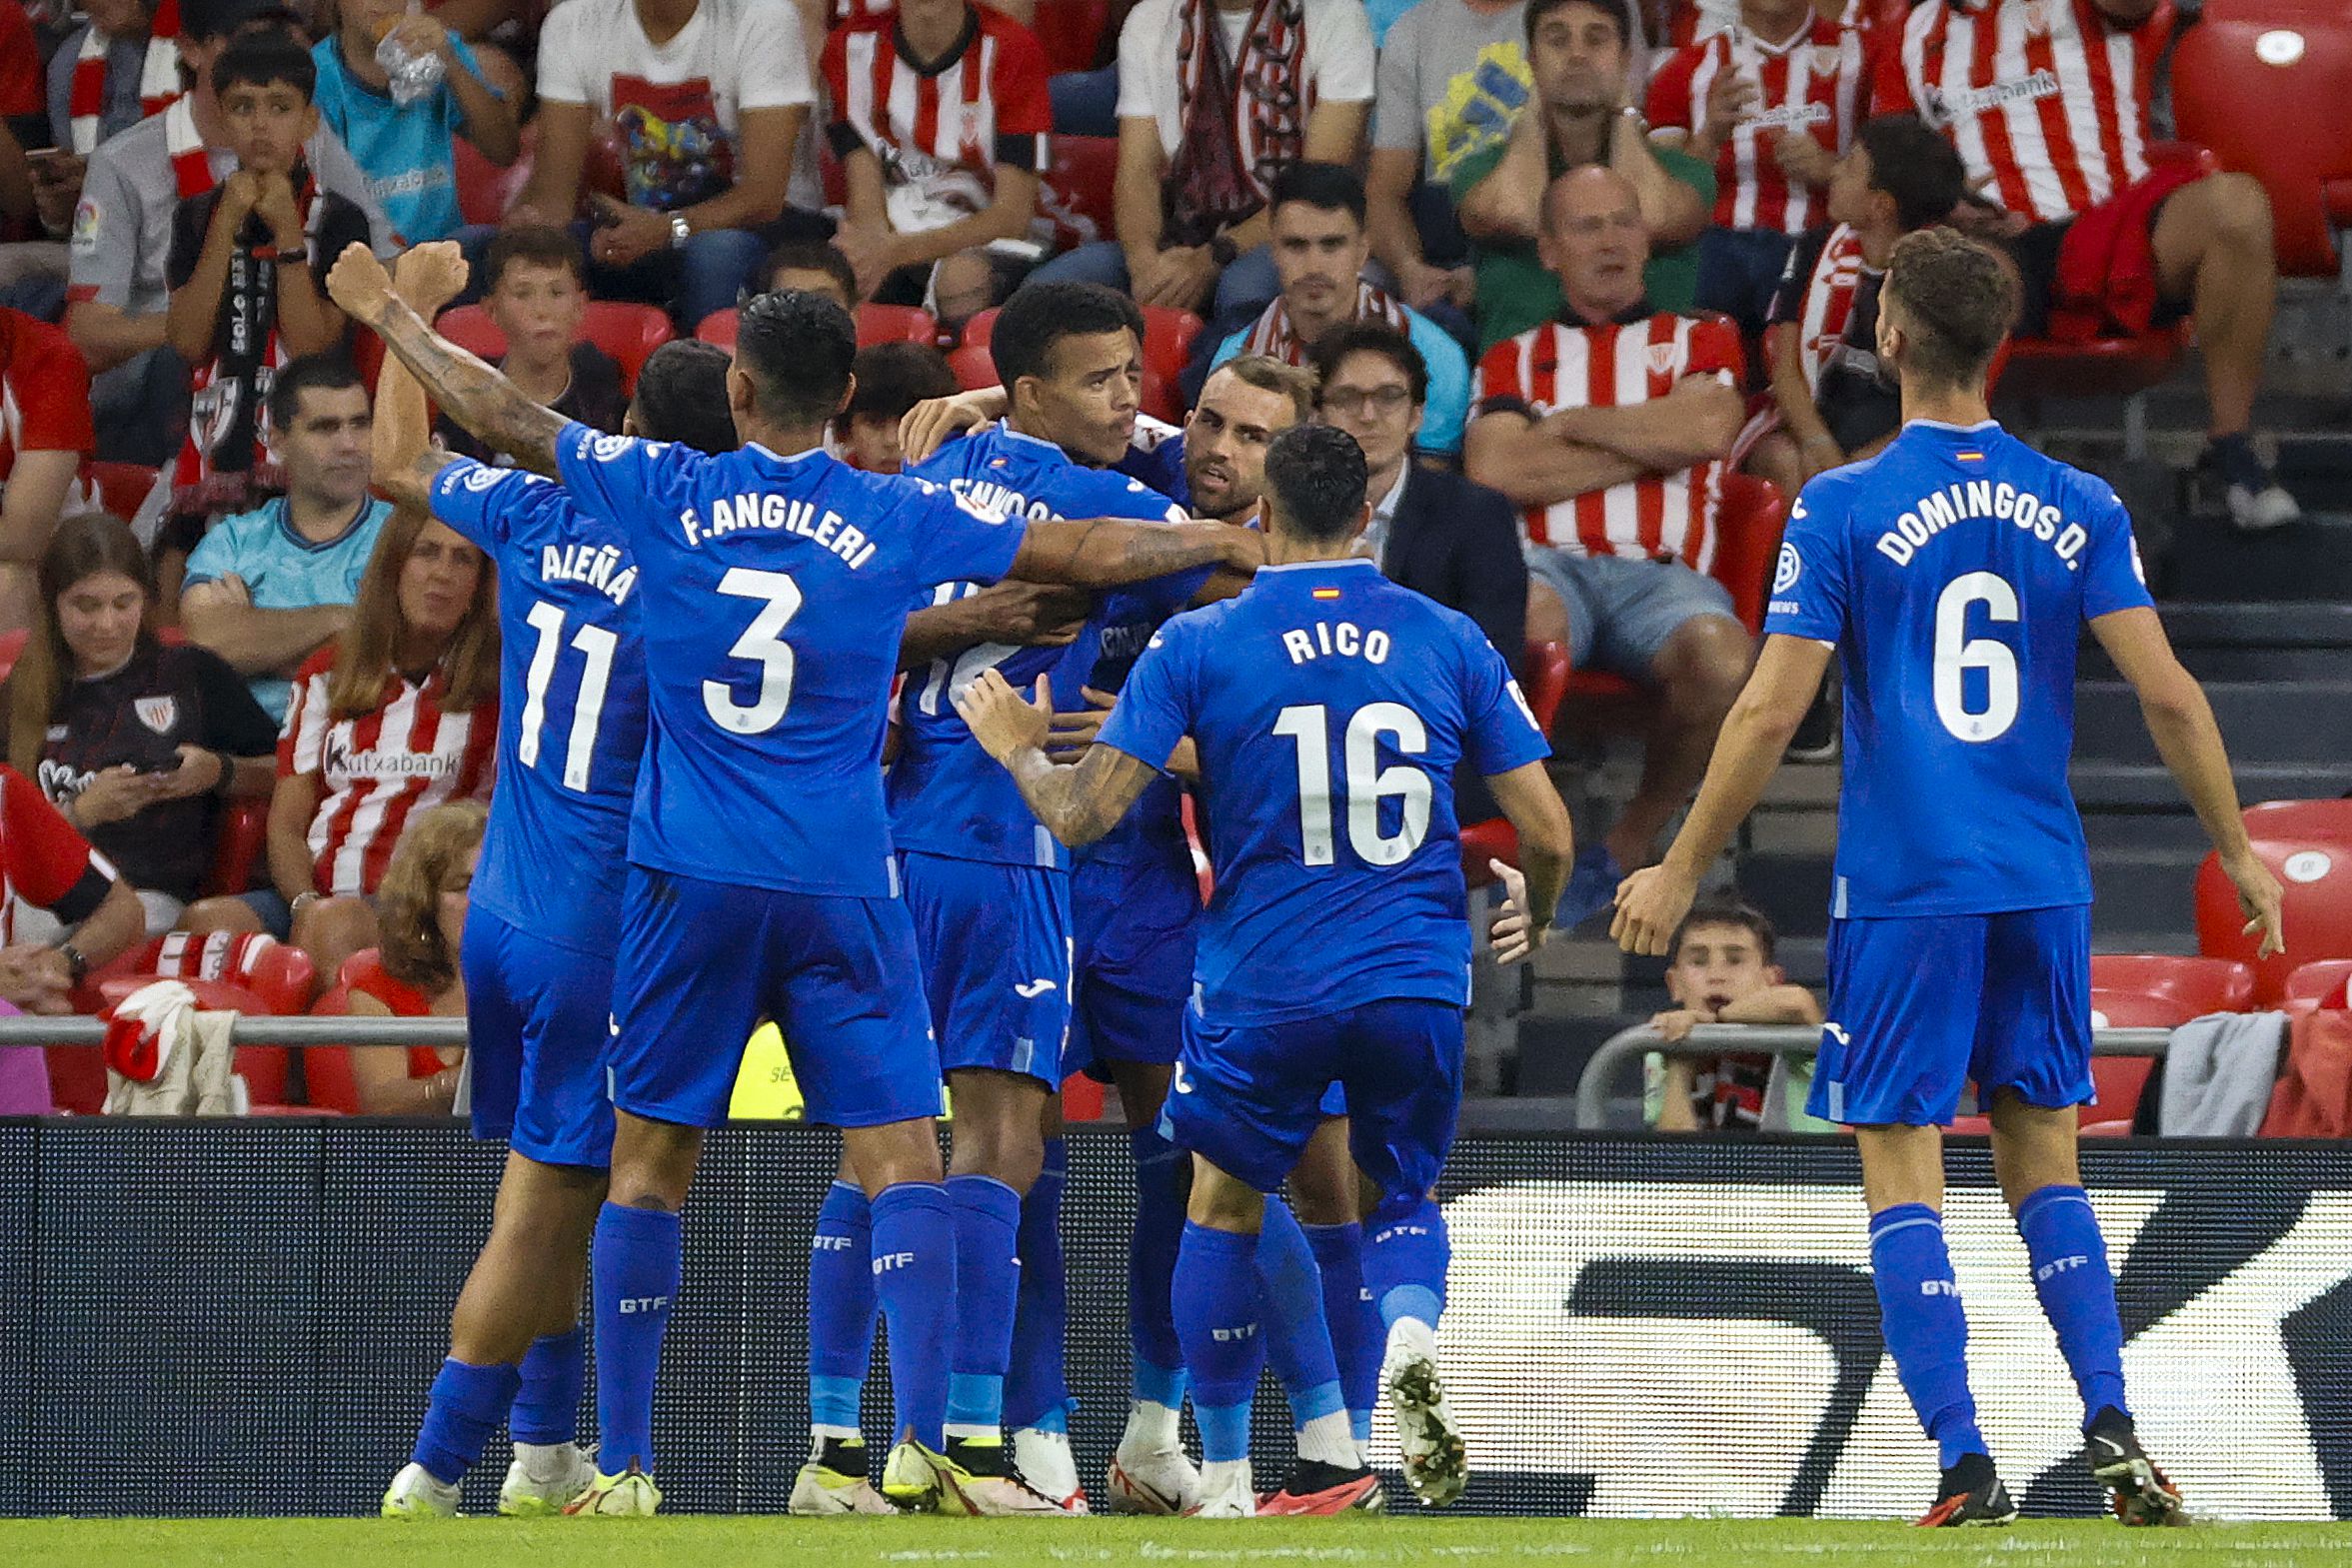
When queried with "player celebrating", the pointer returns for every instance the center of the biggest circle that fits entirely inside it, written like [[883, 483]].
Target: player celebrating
[[775, 583], [538, 953], [1952, 574], [1328, 710]]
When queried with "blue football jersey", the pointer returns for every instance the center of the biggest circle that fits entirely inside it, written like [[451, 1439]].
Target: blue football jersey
[[947, 796], [1331, 709], [1953, 573], [571, 712], [775, 591]]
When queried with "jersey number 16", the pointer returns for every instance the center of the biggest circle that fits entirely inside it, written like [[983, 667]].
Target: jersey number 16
[[1368, 783]]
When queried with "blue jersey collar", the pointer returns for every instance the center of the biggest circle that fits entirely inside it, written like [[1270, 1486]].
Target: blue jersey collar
[[778, 457], [1977, 429], [1321, 565]]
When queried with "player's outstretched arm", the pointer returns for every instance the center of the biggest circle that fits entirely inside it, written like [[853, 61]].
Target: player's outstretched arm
[[1548, 848], [1024, 615], [934, 422], [1653, 901], [1108, 551], [406, 464], [475, 394], [2181, 722], [1078, 804]]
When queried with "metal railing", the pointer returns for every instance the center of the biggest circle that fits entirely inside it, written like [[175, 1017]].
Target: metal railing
[[254, 1030], [1773, 1039]]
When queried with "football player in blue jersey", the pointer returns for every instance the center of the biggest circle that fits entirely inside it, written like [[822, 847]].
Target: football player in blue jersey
[[773, 583], [1327, 710], [1953, 574], [538, 954]]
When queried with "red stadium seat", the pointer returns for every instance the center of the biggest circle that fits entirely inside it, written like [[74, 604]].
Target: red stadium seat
[[327, 1068], [485, 191], [2294, 59], [245, 832], [2317, 874], [118, 488], [1168, 345], [1494, 838], [2318, 985], [1075, 189], [2301, 820], [972, 367], [981, 329], [1747, 541], [2199, 985], [876, 324], [2113, 368], [629, 333], [228, 972], [1072, 32], [12, 646]]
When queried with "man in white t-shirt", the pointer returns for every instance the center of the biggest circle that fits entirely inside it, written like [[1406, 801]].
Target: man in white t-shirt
[[1211, 109], [709, 98]]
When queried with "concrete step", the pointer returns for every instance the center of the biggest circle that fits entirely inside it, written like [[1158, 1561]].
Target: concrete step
[[2104, 786], [2142, 829], [2262, 721]]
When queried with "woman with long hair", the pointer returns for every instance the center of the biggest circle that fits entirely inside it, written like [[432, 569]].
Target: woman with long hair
[[136, 741], [421, 915], [396, 717]]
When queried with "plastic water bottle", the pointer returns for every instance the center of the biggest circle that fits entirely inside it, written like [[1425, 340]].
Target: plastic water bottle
[[414, 76]]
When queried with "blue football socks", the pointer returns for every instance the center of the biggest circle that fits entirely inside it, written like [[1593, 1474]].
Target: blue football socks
[[915, 1279], [1036, 1393], [1216, 1297], [1359, 1338], [1925, 1329], [547, 1405], [635, 1261], [1298, 1344], [1404, 1261], [841, 1311], [2077, 1292], [1152, 1259], [466, 1406]]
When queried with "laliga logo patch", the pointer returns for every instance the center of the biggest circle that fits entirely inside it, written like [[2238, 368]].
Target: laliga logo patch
[[1791, 567], [607, 447], [482, 476]]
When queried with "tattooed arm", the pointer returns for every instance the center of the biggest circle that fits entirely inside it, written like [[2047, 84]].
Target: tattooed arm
[[1078, 804], [1106, 552], [475, 394], [406, 462]]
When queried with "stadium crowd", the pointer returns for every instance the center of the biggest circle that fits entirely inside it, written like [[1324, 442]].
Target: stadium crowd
[[1572, 272]]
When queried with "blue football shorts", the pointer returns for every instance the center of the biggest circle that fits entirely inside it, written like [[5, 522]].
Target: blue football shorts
[[993, 942], [1249, 1097], [701, 965], [1919, 1007], [1136, 925], [538, 1020]]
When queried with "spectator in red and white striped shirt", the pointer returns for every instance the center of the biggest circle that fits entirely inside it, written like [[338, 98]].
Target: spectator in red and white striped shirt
[[44, 435], [396, 717], [2047, 101], [1609, 428], [1772, 103], [939, 117]]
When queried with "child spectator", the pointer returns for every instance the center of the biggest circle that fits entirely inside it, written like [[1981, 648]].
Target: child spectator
[[708, 116], [890, 379], [247, 270], [1720, 970], [939, 117], [408, 150], [420, 910], [119, 290], [267, 588], [1216, 98], [399, 715], [136, 742], [816, 267], [537, 294], [42, 445]]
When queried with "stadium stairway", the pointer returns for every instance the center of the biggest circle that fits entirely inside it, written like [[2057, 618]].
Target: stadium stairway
[[2280, 679]]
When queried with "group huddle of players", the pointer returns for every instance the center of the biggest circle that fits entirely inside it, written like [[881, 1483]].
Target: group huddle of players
[[694, 831]]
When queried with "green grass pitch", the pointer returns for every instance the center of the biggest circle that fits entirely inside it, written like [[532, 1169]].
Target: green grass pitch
[[1277, 1543]]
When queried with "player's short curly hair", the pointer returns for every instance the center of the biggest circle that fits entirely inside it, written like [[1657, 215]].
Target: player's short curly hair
[[1957, 299], [1315, 477], [1035, 319], [681, 397], [798, 348]]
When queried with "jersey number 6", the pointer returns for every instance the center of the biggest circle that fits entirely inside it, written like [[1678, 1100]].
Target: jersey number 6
[[1368, 783], [1957, 653], [762, 643]]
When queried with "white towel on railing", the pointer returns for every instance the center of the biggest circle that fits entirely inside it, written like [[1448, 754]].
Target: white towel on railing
[[194, 1057]]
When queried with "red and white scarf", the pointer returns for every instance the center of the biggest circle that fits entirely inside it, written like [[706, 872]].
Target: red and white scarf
[[184, 145], [1271, 334], [1243, 121], [159, 76]]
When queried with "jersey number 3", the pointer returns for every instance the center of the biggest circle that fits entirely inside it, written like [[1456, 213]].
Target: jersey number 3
[[1957, 653], [1368, 783], [763, 643]]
